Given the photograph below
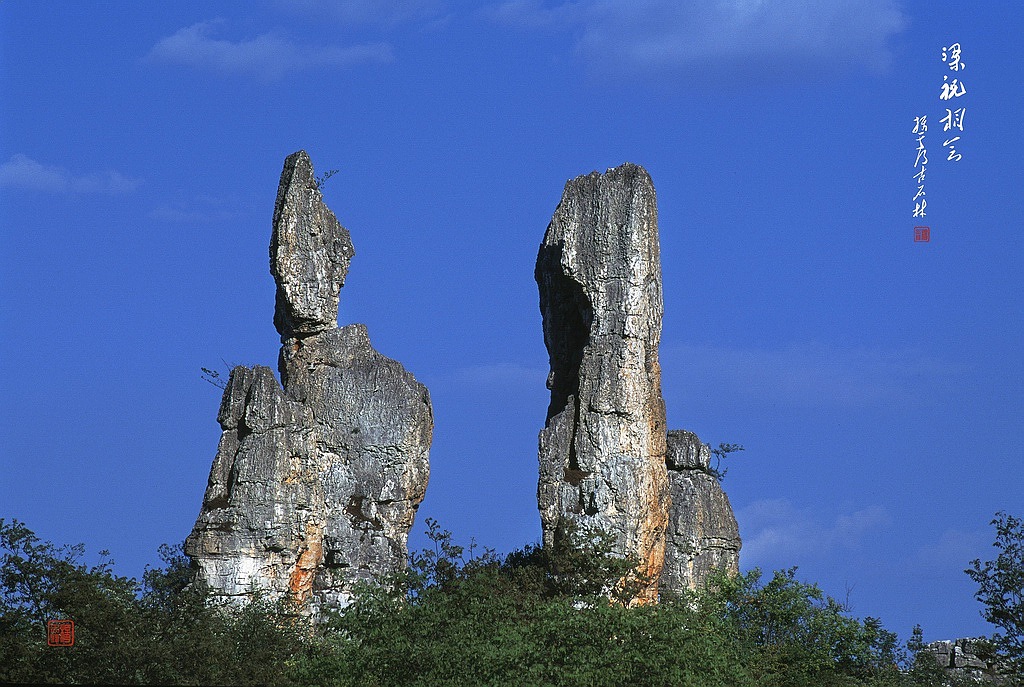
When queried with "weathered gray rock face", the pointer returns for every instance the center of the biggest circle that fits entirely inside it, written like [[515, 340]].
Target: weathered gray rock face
[[606, 460], [602, 451], [309, 253], [315, 485], [702, 532], [972, 658]]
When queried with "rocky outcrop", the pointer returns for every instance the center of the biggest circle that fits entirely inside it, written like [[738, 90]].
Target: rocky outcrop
[[702, 534], [606, 460], [602, 451], [309, 253], [973, 658], [315, 484]]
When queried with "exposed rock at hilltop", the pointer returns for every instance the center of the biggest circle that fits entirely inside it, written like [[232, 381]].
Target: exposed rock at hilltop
[[606, 459], [602, 451], [309, 253], [315, 484], [702, 535], [972, 658]]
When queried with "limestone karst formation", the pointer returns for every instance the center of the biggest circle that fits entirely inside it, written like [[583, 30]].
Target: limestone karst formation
[[604, 447], [967, 660], [315, 484], [317, 479], [602, 451], [702, 534]]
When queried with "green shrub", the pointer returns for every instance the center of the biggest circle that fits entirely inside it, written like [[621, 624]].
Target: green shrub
[[1001, 591], [454, 617], [163, 631]]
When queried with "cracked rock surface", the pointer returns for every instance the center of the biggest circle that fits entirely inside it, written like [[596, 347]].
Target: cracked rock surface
[[309, 253], [971, 661], [315, 484], [702, 535], [602, 450]]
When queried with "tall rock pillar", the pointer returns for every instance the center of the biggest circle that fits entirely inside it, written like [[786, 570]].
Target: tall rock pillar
[[602, 450], [315, 484]]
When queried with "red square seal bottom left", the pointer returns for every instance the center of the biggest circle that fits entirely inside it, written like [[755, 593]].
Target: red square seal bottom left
[[60, 633]]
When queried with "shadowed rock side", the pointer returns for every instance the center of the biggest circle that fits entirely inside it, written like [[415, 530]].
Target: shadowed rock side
[[602, 451], [702, 532], [315, 485]]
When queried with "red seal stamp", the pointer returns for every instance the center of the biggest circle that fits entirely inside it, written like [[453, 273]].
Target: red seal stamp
[[60, 633], [922, 234]]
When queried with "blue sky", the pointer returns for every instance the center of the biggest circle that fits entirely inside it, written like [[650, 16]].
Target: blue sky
[[875, 381]]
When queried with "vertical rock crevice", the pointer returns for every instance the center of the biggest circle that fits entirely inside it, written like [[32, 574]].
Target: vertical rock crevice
[[566, 306]]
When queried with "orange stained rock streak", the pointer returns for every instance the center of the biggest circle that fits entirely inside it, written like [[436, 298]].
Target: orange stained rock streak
[[651, 536], [310, 556]]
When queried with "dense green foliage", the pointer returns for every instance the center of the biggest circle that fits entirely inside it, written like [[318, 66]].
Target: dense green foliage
[[160, 631], [454, 617], [1001, 590]]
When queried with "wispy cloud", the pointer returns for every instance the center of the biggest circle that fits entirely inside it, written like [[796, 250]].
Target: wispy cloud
[[268, 55], [800, 375], [23, 172], [765, 38], [534, 14], [812, 374], [376, 12], [495, 376], [777, 533], [952, 551], [202, 209]]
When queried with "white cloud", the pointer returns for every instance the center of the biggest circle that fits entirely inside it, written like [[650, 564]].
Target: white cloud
[[800, 375], [378, 12], [532, 14], [202, 209], [268, 55], [777, 533], [952, 551], [760, 38], [811, 374], [500, 376], [23, 172]]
